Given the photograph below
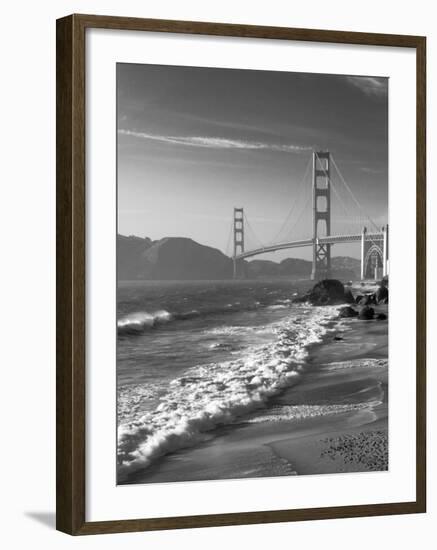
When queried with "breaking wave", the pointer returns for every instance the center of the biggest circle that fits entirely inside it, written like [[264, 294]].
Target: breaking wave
[[140, 321], [214, 394]]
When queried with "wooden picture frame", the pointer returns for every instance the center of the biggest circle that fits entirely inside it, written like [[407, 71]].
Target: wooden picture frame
[[71, 248]]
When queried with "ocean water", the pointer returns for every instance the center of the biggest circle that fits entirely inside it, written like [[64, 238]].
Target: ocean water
[[194, 356]]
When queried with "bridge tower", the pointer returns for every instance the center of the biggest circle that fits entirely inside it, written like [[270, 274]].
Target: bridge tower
[[238, 241], [321, 213]]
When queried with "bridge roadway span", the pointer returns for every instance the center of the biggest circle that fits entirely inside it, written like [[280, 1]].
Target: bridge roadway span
[[332, 239]]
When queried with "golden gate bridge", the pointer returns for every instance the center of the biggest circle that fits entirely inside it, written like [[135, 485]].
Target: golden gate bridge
[[330, 222]]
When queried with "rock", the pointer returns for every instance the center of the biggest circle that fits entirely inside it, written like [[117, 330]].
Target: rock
[[347, 311], [358, 298], [381, 295], [367, 299], [381, 317], [300, 299], [327, 292], [337, 338], [366, 313]]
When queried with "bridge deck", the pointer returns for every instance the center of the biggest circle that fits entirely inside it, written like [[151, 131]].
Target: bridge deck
[[332, 239]]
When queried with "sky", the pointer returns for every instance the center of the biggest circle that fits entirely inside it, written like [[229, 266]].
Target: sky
[[195, 142]]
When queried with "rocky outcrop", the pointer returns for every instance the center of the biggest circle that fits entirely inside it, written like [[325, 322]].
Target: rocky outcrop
[[381, 317], [366, 313], [347, 311], [327, 292], [367, 299], [378, 297], [381, 295]]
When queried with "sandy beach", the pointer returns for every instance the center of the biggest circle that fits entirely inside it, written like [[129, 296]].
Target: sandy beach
[[334, 420]]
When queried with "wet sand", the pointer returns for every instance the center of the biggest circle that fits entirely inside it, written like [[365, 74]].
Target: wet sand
[[354, 369], [334, 420]]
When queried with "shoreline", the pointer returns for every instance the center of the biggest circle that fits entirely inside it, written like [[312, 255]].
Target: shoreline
[[342, 401]]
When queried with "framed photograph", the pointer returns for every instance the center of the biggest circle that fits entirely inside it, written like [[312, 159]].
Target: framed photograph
[[240, 274]]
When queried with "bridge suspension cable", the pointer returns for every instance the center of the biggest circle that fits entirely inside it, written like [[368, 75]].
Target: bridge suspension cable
[[301, 192], [352, 195], [298, 219], [362, 217], [340, 200], [250, 232]]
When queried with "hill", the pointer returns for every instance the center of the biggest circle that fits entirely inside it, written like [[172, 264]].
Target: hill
[[170, 258], [130, 256], [180, 258], [345, 267]]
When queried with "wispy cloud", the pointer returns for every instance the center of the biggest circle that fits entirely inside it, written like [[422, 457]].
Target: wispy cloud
[[370, 85], [216, 142], [372, 171]]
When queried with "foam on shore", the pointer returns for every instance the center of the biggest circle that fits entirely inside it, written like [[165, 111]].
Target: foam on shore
[[298, 412], [358, 363], [217, 393]]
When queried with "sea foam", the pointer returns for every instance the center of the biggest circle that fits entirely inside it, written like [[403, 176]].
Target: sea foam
[[214, 394], [297, 412]]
